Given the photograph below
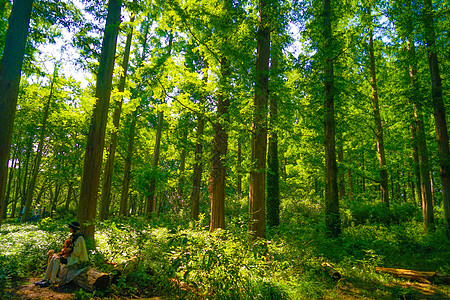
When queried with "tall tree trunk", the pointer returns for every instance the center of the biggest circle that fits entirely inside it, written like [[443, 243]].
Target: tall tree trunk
[[123, 209], [384, 187], [273, 173], [239, 172], [25, 176], [8, 189], [87, 206], [439, 109], [10, 69], [350, 185], [219, 152], [17, 191], [363, 165], [151, 197], [55, 198], [420, 136], [198, 166], [180, 187], [257, 183], [332, 216], [41, 192], [109, 167], [69, 196], [341, 184], [38, 158], [416, 161]]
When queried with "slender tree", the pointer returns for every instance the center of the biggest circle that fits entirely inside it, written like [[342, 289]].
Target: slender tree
[[87, 207], [439, 108], [332, 216], [151, 197], [239, 166], [198, 165], [418, 128], [273, 173], [257, 184], [10, 69], [109, 167], [38, 158], [384, 188], [123, 208], [219, 152]]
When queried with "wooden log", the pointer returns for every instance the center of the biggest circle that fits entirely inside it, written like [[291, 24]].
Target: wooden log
[[334, 274], [92, 279], [420, 276]]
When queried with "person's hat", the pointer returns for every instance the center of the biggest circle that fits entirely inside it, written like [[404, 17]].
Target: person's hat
[[74, 225]]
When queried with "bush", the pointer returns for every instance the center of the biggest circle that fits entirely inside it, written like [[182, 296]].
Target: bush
[[223, 265], [9, 272], [364, 213]]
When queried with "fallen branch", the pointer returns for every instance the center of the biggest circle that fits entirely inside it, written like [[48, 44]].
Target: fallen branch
[[420, 276], [334, 274]]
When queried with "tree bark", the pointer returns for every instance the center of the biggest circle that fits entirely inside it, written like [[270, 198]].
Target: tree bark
[[181, 179], [10, 69], [8, 189], [350, 185], [17, 191], [341, 184], [420, 136], [69, 196], [384, 187], [151, 197], [25, 176], [55, 198], [239, 172], [123, 209], [87, 206], [273, 173], [257, 183], [439, 109], [109, 167], [363, 166], [332, 216], [416, 162], [219, 152]]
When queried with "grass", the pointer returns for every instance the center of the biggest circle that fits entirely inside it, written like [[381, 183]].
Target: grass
[[178, 260]]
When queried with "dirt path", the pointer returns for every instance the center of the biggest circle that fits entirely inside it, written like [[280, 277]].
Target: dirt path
[[27, 290]]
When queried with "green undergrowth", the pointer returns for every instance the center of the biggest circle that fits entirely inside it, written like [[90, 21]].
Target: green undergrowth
[[178, 260]]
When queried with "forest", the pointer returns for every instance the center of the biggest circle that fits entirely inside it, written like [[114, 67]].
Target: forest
[[229, 149]]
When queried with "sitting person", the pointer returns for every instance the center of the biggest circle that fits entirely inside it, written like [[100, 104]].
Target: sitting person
[[66, 250], [67, 263]]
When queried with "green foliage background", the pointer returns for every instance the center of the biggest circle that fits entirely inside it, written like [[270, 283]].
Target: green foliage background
[[187, 261]]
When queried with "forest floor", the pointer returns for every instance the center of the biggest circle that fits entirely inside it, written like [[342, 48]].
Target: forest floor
[[27, 290], [194, 264], [415, 290]]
